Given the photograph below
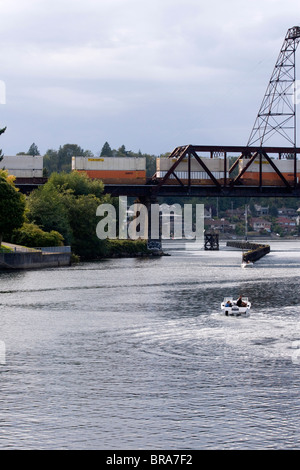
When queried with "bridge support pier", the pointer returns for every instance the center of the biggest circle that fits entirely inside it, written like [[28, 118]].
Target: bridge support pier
[[211, 241], [154, 242]]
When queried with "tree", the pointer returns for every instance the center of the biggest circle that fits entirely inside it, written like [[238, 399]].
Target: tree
[[33, 150], [67, 203], [78, 183], [65, 154], [47, 209], [12, 207], [122, 152], [1, 154], [61, 160], [106, 150]]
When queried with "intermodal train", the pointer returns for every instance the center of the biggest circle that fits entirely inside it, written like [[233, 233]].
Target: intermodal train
[[132, 170], [28, 169]]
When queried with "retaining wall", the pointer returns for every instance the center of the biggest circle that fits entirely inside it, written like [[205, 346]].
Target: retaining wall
[[33, 260]]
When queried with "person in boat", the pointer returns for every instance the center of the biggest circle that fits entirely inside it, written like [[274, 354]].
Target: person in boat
[[228, 304], [240, 302]]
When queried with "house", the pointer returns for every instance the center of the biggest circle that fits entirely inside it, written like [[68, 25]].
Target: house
[[220, 224], [260, 210], [258, 224], [286, 223], [287, 212]]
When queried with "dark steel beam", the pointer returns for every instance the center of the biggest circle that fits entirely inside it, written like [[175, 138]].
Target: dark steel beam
[[216, 182], [201, 191], [287, 184], [236, 179]]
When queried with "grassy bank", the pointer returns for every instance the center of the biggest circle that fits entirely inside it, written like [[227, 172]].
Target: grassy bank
[[5, 249]]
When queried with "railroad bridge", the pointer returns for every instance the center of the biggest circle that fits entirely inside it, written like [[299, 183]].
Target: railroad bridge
[[227, 185]]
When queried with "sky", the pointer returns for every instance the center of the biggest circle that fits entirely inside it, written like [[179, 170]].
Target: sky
[[147, 74]]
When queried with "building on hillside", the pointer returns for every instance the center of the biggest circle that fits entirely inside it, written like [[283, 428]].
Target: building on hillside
[[258, 224], [260, 210], [286, 223], [287, 212], [221, 225]]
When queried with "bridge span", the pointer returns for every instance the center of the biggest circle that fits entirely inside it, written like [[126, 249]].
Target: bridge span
[[247, 176]]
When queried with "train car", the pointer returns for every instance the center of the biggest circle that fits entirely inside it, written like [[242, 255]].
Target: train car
[[198, 175], [23, 166], [269, 175], [112, 170]]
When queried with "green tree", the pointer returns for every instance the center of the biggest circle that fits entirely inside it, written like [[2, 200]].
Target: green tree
[[83, 220], [33, 150], [12, 208], [67, 203], [122, 152], [61, 160], [106, 150], [65, 154], [47, 209], [78, 183]]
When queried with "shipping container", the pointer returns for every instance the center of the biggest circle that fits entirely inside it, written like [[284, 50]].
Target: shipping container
[[23, 166], [112, 170], [198, 173], [269, 175]]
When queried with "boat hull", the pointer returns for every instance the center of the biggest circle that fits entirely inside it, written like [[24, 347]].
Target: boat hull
[[234, 310]]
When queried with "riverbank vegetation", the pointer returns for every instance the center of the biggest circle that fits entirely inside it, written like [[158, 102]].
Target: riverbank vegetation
[[62, 212], [66, 205], [12, 206]]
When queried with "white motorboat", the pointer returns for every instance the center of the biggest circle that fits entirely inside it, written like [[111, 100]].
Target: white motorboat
[[230, 308], [247, 264]]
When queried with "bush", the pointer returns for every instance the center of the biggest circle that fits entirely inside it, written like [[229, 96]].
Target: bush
[[32, 236], [119, 247]]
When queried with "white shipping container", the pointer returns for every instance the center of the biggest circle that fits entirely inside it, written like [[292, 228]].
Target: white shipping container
[[26, 173], [109, 163], [22, 162], [23, 166], [215, 166], [284, 166]]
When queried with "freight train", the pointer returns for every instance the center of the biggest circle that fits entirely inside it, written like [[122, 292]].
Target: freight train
[[132, 170], [28, 170]]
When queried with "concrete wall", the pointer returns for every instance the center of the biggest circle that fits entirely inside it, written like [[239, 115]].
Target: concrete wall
[[33, 260]]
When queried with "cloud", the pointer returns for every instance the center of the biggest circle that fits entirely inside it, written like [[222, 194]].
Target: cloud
[[197, 67]]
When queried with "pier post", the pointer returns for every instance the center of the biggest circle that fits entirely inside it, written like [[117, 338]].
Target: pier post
[[154, 242], [211, 241]]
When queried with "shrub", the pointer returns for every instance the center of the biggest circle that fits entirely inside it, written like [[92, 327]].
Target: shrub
[[32, 235]]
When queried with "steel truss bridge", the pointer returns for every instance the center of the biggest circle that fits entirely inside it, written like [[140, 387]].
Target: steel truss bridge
[[227, 185]]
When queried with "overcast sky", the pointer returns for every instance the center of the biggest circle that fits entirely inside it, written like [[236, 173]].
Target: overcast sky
[[149, 74]]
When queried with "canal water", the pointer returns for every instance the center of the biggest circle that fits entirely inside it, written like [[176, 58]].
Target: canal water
[[134, 353]]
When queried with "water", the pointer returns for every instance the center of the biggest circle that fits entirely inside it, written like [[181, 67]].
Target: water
[[134, 354]]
